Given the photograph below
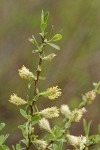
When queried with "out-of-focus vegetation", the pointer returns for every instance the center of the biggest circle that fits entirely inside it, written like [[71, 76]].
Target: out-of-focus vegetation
[[78, 62]]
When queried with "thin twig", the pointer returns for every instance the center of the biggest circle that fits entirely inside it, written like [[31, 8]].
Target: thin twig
[[35, 89]]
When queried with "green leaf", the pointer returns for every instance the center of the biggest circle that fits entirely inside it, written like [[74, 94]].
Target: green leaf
[[94, 139], [99, 129], [43, 26], [25, 130], [57, 37], [13, 147], [48, 137], [35, 51], [33, 41], [46, 16], [2, 125], [4, 147], [57, 131], [3, 138], [24, 141], [24, 114], [58, 146], [42, 17], [97, 139], [35, 120], [55, 147], [18, 146], [49, 57], [86, 127], [52, 32], [97, 87], [27, 98], [44, 20], [36, 97], [54, 46]]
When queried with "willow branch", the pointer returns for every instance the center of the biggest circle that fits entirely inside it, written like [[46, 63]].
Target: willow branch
[[35, 88]]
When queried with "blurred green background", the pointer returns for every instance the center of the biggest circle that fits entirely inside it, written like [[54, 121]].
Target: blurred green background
[[75, 68]]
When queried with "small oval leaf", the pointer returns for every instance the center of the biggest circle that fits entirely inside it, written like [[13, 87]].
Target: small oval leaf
[[24, 114], [57, 37], [54, 46], [2, 125]]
